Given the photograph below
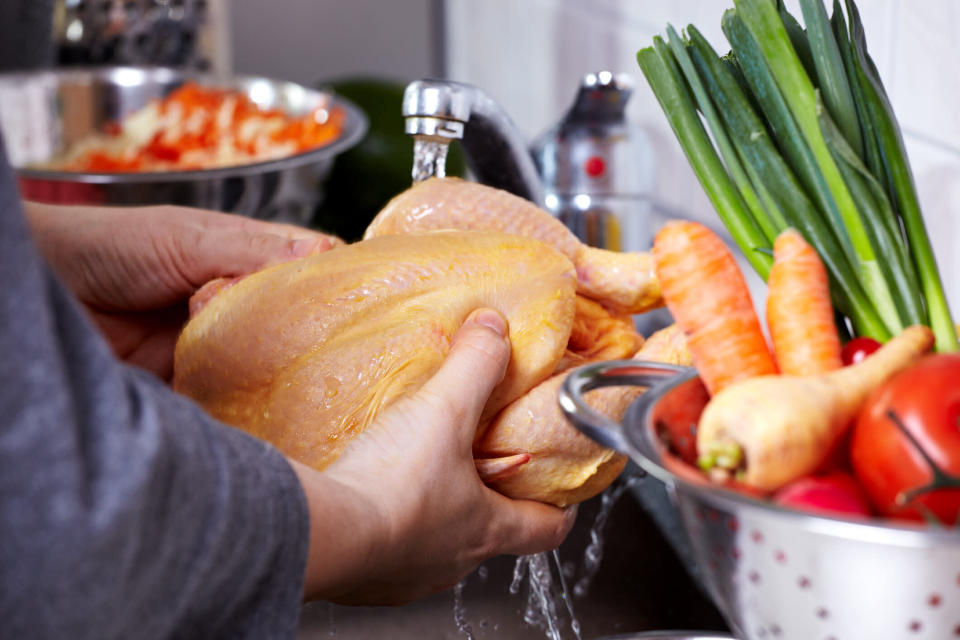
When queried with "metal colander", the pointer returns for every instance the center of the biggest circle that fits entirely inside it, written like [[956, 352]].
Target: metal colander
[[774, 573]]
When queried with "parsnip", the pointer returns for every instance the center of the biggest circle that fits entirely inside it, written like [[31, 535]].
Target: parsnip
[[770, 430]]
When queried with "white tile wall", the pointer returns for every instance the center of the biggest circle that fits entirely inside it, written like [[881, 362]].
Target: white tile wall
[[308, 41], [530, 55]]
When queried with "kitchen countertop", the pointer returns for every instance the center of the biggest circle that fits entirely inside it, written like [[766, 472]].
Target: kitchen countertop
[[640, 585]]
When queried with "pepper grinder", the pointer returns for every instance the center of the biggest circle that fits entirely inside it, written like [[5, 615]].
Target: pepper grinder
[[598, 169]]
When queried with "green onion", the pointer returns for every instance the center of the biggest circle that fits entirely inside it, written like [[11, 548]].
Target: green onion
[[727, 152], [763, 21], [899, 178], [788, 198], [831, 73], [664, 76], [792, 128], [798, 38], [876, 212]]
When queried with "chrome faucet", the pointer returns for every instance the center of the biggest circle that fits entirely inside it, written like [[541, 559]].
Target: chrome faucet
[[438, 111]]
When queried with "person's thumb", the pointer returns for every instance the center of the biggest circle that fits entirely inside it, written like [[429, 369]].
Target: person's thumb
[[476, 363]]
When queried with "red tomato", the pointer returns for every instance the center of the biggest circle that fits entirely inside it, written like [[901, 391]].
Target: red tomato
[[858, 349], [905, 446], [833, 493]]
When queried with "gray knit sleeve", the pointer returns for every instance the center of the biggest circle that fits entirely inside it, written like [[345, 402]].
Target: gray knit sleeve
[[126, 512]]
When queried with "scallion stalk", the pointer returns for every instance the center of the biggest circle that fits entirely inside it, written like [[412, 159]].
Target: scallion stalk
[[664, 76], [903, 193], [831, 74], [727, 152], [793, 128], [747, 130], [763, 21]]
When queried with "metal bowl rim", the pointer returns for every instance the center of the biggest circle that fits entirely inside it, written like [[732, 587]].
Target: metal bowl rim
[[355, 127], [895, 532]]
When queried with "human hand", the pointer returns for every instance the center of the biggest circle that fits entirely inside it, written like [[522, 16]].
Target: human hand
[[402, 513], [135, 268]]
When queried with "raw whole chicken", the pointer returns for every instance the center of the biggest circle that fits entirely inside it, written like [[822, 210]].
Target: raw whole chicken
[[306, 354]]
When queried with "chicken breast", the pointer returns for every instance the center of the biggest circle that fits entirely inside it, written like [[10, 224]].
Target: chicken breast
[[306, 354]]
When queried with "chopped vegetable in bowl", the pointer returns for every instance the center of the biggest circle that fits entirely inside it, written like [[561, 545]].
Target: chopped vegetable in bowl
[[200, 127]]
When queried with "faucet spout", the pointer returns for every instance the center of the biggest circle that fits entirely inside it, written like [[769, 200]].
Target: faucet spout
[[438, 111]]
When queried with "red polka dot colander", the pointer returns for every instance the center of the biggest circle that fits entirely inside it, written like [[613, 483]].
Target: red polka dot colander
[[775, 573]]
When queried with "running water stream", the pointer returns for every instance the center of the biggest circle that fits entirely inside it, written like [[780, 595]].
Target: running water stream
[[429, 158], [544, 590], [549, 605]]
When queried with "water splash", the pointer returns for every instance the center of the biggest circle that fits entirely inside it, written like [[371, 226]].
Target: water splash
[[460, 611], [519, 571], [429, 158], [546, 591], [574, 623], [593, 554], [331, 625], [541, 609]]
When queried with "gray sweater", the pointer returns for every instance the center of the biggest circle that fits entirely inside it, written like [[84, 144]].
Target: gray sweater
[[126, 512]]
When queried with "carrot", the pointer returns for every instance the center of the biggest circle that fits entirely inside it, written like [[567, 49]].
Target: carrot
[[705, 291], [799, 312], [772, 430]]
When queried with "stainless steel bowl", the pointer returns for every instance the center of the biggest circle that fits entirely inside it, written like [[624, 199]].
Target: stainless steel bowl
[[41, 113], [776, 573]]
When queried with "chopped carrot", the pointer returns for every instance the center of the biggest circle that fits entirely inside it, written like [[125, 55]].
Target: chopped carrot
[[799, 313], [198, 127], [705, 291]]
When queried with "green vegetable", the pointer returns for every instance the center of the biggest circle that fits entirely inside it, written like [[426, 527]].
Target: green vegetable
[[664, 76], [831, 73], [727, 152], [792, 204], [902, 191], [763, 21], [799, 132]]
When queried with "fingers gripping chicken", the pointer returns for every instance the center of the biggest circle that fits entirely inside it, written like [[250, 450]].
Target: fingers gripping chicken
[[530, 449]]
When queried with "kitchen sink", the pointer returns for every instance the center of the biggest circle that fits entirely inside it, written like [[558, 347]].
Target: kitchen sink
[[640, 584]]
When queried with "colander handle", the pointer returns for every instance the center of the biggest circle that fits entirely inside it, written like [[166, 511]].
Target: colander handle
[[612, 373]]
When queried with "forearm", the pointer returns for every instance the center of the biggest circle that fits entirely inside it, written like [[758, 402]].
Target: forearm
[[342, 539], [128, 496], [124, 509]]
